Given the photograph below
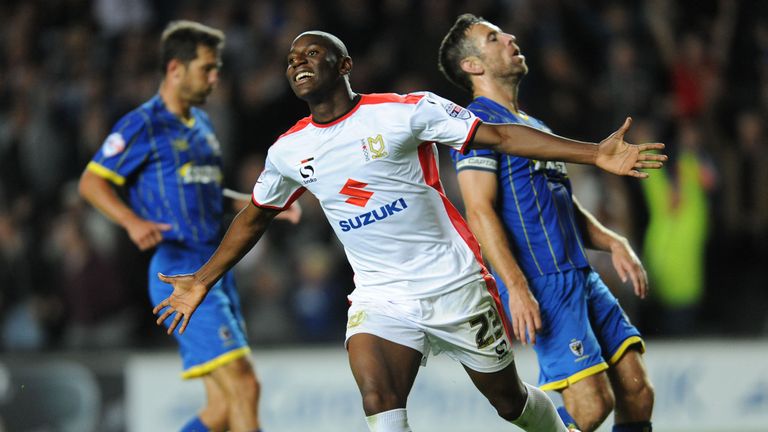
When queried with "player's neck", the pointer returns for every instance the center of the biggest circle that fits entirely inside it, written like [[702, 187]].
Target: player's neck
[[501, 93], [333, 106], [174, 104]]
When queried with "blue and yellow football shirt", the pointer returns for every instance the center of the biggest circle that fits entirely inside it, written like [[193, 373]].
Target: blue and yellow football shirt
[[171, 170], [534, 199]]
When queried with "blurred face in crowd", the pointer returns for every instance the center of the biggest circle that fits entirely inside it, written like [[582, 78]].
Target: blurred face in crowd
[[197, 79], [499, 54], [313, 66]]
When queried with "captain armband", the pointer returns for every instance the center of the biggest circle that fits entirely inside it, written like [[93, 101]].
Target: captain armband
[[478, 163]]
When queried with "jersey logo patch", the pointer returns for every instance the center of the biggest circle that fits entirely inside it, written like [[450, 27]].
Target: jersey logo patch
[[577, 348], [357, 194], [374, 148], [307, 171], [180, 145], [114, 144], [457, 111], [213, 143]]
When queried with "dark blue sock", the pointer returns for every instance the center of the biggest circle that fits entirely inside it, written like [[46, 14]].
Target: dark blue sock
[[195, 425], [643, 426], [567, 419]]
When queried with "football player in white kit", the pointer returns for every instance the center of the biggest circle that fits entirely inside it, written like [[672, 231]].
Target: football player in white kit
[[420, 282]]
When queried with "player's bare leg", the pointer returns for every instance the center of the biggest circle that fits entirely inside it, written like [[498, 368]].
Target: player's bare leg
[[524, 405], [240, 388], [589, 401], [384, 372], [634, 391], [215, 413]]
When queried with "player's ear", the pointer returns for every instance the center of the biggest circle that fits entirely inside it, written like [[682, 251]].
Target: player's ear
[[174, 68], [471, 65], [345, 66]]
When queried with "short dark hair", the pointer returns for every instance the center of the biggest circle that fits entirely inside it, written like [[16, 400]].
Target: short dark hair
[[181, 38], [455, 48]]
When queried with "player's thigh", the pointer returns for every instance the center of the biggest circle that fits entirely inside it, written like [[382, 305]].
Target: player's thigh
[[383, 367], [467, 325], [629, 374], [567, 348], [610, 324], [236, 377], [593, 392]]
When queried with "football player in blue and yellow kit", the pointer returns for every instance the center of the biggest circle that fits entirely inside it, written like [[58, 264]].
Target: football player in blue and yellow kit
[[534, 233], [164, 154]]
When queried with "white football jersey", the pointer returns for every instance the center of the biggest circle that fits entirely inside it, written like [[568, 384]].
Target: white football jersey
[[374, 172]]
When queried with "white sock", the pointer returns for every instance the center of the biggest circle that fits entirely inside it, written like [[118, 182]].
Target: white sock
[[395, 420], [539, 413]]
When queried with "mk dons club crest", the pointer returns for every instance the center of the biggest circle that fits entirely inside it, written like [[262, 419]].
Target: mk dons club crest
[[374, 148]]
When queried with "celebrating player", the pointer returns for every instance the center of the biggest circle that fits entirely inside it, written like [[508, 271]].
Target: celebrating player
[[420, 284]]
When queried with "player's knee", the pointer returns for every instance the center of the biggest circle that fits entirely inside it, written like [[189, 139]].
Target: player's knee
[[642, 397], [509, 404], [248, 388], [376, 401]]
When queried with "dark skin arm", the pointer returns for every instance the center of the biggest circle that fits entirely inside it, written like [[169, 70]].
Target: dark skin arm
[[189, 290], [479, 192], [612, 154], [625, 261]]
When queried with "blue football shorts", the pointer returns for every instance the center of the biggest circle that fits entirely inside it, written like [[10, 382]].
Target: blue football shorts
[[215, 334], [584, 329]]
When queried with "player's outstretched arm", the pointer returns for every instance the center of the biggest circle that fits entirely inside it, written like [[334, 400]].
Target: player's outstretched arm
[[613, 154], [190, 290]]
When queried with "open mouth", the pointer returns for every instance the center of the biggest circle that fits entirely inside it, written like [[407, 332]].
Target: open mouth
[[303, 76]]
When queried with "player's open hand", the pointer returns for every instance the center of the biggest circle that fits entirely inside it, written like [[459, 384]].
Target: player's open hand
[[628, 266], [619, 157], [187, 295]]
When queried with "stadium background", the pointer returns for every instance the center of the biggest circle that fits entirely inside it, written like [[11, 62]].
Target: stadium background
[[693, 74]]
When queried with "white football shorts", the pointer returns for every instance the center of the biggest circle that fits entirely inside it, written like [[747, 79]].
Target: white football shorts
[[464, 323]]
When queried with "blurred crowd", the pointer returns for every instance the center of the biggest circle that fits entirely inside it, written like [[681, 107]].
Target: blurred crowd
[[692, 74]]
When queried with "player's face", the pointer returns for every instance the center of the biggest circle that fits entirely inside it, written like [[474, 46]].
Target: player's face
[[499, 52], [200, 76], [312, 67]]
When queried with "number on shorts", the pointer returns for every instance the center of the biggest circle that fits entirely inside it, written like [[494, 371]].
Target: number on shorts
[[490, 322]]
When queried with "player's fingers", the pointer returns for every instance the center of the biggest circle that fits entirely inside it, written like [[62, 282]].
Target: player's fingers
[[516, 329], [183, 324], [637, 174], [642, 287], [652, 146], [635, 281], [160, 306], [164, 226], [652, 157], [622, 273], [532, 330], [648, 165], [161, 319], [625, 127], [175, 322]]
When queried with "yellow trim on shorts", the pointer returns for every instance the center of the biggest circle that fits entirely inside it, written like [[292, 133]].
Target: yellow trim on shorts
[[209, 366], [106, 173], [578, 376], [632, 340]]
